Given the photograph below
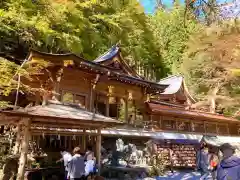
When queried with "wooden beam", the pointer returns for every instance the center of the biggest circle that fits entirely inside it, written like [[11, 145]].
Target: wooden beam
[[68, 121], [24, 151], [65, 126], [67, 133]]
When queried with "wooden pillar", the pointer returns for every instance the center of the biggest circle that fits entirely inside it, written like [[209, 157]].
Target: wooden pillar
[[108, 106], [70, 143], [24, 150], [92, 90], [152, 123], [205, 128], [160, 122], [126, 110], [18, 139], [99, 145], [65, 142], [84, 140], [228, 129], [91, 99]]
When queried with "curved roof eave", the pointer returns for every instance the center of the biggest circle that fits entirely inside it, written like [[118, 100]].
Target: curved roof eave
[[113, 51], [174, 82]]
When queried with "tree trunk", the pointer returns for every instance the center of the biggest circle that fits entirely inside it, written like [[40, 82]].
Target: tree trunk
[[213, 105], [24, 150], [213, 99], [18, 140]]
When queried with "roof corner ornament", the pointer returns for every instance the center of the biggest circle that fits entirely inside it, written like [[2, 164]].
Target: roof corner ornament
[[115, 59], [67, 63]]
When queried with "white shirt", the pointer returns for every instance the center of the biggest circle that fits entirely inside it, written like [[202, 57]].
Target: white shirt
[[66, 158], [89, 167]]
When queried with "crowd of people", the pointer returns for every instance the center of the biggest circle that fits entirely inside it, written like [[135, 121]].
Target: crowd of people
[[78, 166], [212, 168]]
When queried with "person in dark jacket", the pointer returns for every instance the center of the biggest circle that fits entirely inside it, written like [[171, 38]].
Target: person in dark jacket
[[229, 167], [204, 162]]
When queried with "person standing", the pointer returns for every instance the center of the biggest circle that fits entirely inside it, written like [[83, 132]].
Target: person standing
[[76, 166], [89, 155], [213, 165], [66, 157], [90, 162], [204, 162], [229, 167], [171, 159]]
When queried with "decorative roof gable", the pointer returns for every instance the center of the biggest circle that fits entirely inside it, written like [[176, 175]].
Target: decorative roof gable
[[177, 87], [113, 59]]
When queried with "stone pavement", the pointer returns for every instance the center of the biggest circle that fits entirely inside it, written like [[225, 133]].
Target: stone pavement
[[191, 175]]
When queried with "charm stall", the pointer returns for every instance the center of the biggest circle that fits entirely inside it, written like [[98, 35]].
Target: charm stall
[[51, 126]]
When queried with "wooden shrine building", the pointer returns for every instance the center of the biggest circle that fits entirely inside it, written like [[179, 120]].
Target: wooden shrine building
[[81, 97]]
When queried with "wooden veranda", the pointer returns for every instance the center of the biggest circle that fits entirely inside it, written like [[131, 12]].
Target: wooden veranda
[[53, 118]]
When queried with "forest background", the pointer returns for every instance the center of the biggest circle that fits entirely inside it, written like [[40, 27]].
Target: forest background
[[193, 39]]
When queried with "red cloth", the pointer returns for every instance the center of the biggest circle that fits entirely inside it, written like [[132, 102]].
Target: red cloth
[[213, 164]]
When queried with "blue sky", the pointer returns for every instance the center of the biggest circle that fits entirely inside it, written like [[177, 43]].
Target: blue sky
[[150, 4]]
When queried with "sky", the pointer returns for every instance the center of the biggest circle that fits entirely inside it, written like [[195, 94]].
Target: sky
[[150, 4]]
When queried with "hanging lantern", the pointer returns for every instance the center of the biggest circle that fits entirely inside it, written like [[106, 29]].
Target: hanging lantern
[[74, 137], [148, 97], [59, 137], [110, 90], [112, 100], [130, 95]]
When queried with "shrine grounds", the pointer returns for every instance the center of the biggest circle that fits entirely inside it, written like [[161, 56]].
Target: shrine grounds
[[188, 175]]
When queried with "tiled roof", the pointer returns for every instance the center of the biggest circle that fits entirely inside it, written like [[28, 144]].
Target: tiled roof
[[97, 67], [168, 110], [57, 109]]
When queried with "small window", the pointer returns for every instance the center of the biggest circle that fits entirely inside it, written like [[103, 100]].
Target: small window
[[100, 104], [197, 127], [211, 128], [169, 124], [80, 100], [183, 126], [68, 97]]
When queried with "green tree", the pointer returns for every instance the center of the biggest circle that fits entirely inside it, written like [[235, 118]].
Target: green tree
[[11, 75], [210, 67], [86, 28], [171, 35]]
